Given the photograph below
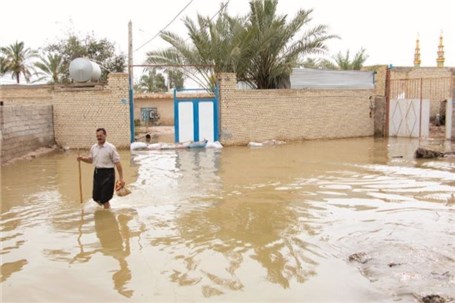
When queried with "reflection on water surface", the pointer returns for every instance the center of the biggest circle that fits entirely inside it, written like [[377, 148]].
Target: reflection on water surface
[[238, 224]]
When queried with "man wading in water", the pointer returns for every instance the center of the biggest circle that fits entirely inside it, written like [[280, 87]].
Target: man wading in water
[[104, 157]]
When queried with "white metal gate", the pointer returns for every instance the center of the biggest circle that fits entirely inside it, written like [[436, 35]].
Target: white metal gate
[[196, 117], [409, 118], [413, 101]]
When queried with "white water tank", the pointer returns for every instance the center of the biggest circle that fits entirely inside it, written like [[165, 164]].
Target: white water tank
[[84, 70]]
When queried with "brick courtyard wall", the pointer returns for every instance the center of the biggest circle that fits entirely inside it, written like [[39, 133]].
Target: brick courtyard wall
[[24, 128], [379, 78], [79, 110], [437, 83], [452, 118], [26, 94], [291, 114], [379, 113]]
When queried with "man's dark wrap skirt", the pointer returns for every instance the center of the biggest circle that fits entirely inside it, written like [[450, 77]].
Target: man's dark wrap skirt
[[103, 184]]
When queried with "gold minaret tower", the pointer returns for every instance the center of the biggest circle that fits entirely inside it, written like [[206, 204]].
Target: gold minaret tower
[[417, 53], [440, 59]]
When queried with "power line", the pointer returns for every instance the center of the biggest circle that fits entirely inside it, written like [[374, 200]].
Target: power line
[[173, 65], [159, 32], [224, 5], [182, 65], [213, 17]]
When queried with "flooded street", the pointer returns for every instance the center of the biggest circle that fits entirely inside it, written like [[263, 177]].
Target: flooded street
[[240, 224]]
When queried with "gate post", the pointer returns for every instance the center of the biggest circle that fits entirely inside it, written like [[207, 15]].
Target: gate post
[[450, 114], [387, 101]]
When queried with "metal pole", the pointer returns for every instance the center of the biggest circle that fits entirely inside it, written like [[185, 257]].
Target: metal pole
[[387, 101], [420, 118], [80, 178], [130, 79]]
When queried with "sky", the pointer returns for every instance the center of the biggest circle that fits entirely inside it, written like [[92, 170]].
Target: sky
[[386, 29]]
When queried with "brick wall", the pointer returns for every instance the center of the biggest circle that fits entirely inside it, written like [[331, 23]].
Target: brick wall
[[80, 110], [420, 72], [451, 119], [379, 78], [24, 128], [26, 94], [436, 84], [379, 113], [291, 114]]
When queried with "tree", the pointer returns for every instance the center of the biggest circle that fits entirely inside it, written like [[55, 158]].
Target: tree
[[311, 63], [339, 62], [176, 79], [17, 60], [260, 47], [50, 67], [344, 62], [101, 51], [318, 63], [152, 82], [210, 51], [273, 46], [3, 68]]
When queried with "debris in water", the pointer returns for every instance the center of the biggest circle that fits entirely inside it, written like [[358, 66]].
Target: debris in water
[[428, 154], [433, 299], [359, 257]]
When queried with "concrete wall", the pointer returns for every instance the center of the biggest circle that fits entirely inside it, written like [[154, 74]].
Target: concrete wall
[[163, 102], [80, 110], [24, 128], [287, 114]]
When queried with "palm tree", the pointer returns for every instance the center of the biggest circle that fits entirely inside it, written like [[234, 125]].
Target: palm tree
[[344, 62], [310, 63], [18, 60], [274, 48], [175, 78], [151, 83], [51, 67], [318, 63], [260, 48], [214, 48], [3, 67], [339, 62]]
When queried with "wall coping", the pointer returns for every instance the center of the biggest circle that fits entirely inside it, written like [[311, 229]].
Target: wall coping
[[170, 95]]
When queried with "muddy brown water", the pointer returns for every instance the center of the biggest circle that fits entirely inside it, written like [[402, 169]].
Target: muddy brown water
[[240, 224]]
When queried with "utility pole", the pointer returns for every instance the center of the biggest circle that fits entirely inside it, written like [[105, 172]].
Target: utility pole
[[168, 80], [130, 79]]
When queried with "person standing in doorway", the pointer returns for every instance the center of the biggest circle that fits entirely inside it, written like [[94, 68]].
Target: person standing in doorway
[[104, 157]]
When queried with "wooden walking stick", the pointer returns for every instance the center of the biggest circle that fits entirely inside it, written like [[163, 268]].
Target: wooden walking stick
[[80, 176]]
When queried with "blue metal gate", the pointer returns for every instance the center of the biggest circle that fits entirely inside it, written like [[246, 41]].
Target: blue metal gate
[[196, 117]]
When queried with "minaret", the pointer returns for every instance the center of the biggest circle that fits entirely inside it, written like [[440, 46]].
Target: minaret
[[417, 53], [440, 60]]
